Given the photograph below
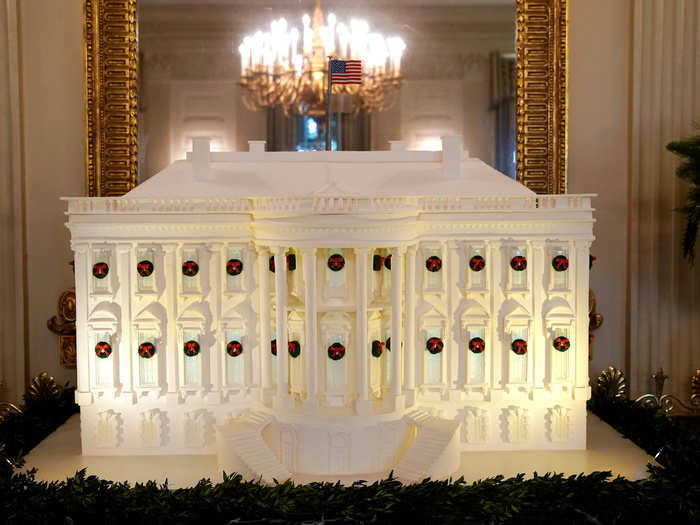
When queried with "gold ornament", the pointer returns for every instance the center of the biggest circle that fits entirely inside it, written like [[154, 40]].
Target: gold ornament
[[43, 387], [613, 383], [8, 408]]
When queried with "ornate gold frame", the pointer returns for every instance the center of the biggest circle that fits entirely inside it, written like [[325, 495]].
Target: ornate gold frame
[[542, 102], [111, 95]]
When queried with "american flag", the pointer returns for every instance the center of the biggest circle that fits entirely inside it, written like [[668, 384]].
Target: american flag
[[346, 71]]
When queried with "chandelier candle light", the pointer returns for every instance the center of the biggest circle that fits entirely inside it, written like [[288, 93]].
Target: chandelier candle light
[[286, 68]]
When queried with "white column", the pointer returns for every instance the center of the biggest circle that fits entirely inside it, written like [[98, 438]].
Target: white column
[[580, 340], [125, 265], [281, 330], [81, 265], [173, 280], [396, 318], [539, 350], [216, 275], [453, 328], [264, 314], [496, 273], [310, 351], [364, 405], [410, 346]]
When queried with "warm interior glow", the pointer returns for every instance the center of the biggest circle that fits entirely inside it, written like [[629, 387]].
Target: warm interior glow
[[275, 72], [430, 144]]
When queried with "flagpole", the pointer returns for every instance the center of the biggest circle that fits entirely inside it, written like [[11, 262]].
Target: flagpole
[[328, 108]]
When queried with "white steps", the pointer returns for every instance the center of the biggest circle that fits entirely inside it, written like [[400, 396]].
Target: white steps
[[434, 453], [245, 437]]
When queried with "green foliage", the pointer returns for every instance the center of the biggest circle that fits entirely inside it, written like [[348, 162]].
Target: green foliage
[[670, 495], [689, 170], [19, 433]]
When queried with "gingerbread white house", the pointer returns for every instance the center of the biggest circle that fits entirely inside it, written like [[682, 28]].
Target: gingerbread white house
[[331, 313]]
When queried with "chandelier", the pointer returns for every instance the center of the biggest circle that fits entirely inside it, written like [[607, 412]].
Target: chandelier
[[287, 69]]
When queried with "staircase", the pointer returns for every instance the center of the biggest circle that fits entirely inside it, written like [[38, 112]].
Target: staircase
[[435, 452], [244, 435]]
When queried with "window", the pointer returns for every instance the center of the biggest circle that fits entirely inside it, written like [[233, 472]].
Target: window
[[311, 134]]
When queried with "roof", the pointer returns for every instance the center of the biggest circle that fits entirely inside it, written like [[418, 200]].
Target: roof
[[296, 174]]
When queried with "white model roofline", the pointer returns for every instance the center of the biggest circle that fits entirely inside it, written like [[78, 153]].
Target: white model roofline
[[257, 173]]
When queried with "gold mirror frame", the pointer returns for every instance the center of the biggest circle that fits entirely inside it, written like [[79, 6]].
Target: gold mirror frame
[[111, 95]]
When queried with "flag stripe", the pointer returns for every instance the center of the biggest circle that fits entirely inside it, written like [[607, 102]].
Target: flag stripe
[[346, 71]]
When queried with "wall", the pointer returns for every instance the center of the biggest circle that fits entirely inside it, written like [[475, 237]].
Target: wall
[[52, 120], [11, 284], [599, 74]]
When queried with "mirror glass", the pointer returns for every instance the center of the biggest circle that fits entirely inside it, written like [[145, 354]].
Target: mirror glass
[[457, 78]]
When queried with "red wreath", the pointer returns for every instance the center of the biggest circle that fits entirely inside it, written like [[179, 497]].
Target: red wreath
[[477, 263], [273, 346], [388, 343], [234, 348], [191, 348], [477, 345], [377, 348], [387, 262], [336, 351], [518, 263], [433, 263], [294, 348], [234, 267], [146, 350], [561, 343], [519, 346], [103, 350], [190, 268], [434, 345], [100, 270], [144, 268], [336, 262], [271, 263], [377, 262], [560, 263]]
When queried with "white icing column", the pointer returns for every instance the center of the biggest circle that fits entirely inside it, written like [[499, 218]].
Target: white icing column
[[125, 265], [538, 348], [216, 266], [363, 402], [495, 345], [580, 342], [453, 328], [264, 315], [396, 318], [281, 331], [311, 357], [410, 346], [173, 271], [82, 291]]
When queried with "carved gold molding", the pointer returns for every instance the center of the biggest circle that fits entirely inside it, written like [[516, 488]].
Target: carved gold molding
[[111, 96], [63, 325], [541, 94]]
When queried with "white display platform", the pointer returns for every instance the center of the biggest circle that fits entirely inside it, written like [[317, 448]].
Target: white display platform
[[58, 457]]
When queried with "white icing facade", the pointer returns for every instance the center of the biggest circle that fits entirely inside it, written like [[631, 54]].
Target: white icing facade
[[422, 249]]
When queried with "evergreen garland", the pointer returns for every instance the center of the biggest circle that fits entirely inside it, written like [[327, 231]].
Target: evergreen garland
[[670, 495], [689, 170]]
